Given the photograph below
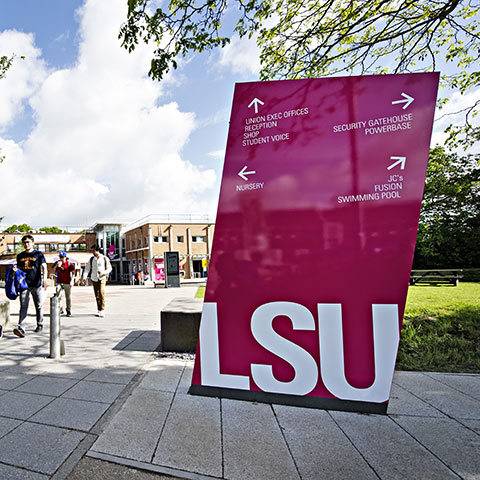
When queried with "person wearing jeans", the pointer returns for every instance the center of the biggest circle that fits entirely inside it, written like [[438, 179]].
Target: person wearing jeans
[[33, 263], [98, 268], [64, 271]]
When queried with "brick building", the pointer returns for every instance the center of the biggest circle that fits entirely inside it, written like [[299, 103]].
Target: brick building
[[189, 235]]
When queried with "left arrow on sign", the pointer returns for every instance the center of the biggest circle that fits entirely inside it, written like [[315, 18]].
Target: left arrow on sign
[[242, 173], [255, 102], [399, 161]]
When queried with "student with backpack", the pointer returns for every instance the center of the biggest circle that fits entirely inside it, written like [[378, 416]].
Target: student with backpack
[[32, 262], [98, 269]]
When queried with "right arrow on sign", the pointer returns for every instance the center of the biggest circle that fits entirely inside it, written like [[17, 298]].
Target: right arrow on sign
[[407, 100], [399, 161], [242, 173]]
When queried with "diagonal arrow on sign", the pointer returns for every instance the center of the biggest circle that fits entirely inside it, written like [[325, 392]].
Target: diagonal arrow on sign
[[242, 173], [255, 103], [399, 160], [407, 100]]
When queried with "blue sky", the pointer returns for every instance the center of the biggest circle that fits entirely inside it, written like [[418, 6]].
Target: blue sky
[[89, 137]]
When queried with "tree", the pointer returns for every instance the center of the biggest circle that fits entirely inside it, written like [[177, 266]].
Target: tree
[[52, 230], [24, 228], [311, 38], [449, 229]]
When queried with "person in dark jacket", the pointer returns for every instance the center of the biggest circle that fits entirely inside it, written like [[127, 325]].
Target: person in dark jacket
[[33, 263]]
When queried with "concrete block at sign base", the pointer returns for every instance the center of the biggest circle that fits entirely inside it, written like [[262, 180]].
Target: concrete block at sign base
[[179, 324], [4, 314]]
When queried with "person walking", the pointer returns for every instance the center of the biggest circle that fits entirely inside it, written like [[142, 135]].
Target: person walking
[[64, 271], [98, 268], [32, 262]]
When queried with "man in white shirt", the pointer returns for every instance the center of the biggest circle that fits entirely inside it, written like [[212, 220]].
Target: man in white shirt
[[98, 268]]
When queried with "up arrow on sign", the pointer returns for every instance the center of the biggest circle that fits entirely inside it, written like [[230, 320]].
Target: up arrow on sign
[[255, 103]]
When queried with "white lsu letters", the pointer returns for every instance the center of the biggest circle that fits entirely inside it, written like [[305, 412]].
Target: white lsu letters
[[386, 337]]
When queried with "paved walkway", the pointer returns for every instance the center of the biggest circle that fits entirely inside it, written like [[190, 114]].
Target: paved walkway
[[110, 408]]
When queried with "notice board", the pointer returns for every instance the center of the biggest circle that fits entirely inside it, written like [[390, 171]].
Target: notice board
[[314, 240]]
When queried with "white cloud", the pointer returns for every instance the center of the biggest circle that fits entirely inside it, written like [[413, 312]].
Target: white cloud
[[104, 145], [24, 76], [217, 154], [241, 55]]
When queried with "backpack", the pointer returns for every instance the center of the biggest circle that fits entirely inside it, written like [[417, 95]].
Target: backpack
[[14, 283]]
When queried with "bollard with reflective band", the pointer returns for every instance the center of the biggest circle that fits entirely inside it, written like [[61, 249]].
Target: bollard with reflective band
[[55, 343]]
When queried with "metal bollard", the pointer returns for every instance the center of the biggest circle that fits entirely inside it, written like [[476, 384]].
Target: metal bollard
[[55, 342]]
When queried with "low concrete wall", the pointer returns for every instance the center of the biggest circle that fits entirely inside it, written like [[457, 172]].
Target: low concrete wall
[[179, 324]]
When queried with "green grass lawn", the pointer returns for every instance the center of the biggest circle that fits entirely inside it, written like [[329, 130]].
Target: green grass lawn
[[441, 329], [200, 292]]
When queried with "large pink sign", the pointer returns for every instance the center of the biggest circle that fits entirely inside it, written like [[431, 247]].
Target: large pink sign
[[314, 240]]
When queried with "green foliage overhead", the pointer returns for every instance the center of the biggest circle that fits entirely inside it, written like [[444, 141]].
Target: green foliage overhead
[[311, 38], [5, 64], [24, 228], [449, 229]]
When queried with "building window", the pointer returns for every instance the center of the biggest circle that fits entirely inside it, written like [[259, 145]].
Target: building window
[[180, 239], [160, 239], [41, 247], [10, 248], [199, 239]]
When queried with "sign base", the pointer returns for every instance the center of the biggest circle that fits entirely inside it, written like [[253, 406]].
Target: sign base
[[292, 400]]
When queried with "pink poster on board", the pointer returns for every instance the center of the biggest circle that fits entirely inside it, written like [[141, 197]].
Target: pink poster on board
[[159, 269], [314, 240]]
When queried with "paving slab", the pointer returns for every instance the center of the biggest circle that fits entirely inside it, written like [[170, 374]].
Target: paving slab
[[448, 400], [468, 384], [473, 425], [22, 405], [7, 425], [192, 437], [456, 445], [389, 450], [70, 413], [163, 375], [95, 391], [108, 375], [186, 379], [8, 472], [46, 385], [253, 443], [317, 444], [40, 448], [9, 381], [402, 402], [134, 431]]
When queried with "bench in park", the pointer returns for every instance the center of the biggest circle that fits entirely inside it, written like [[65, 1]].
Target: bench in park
[[435, 277], [179, 324]]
